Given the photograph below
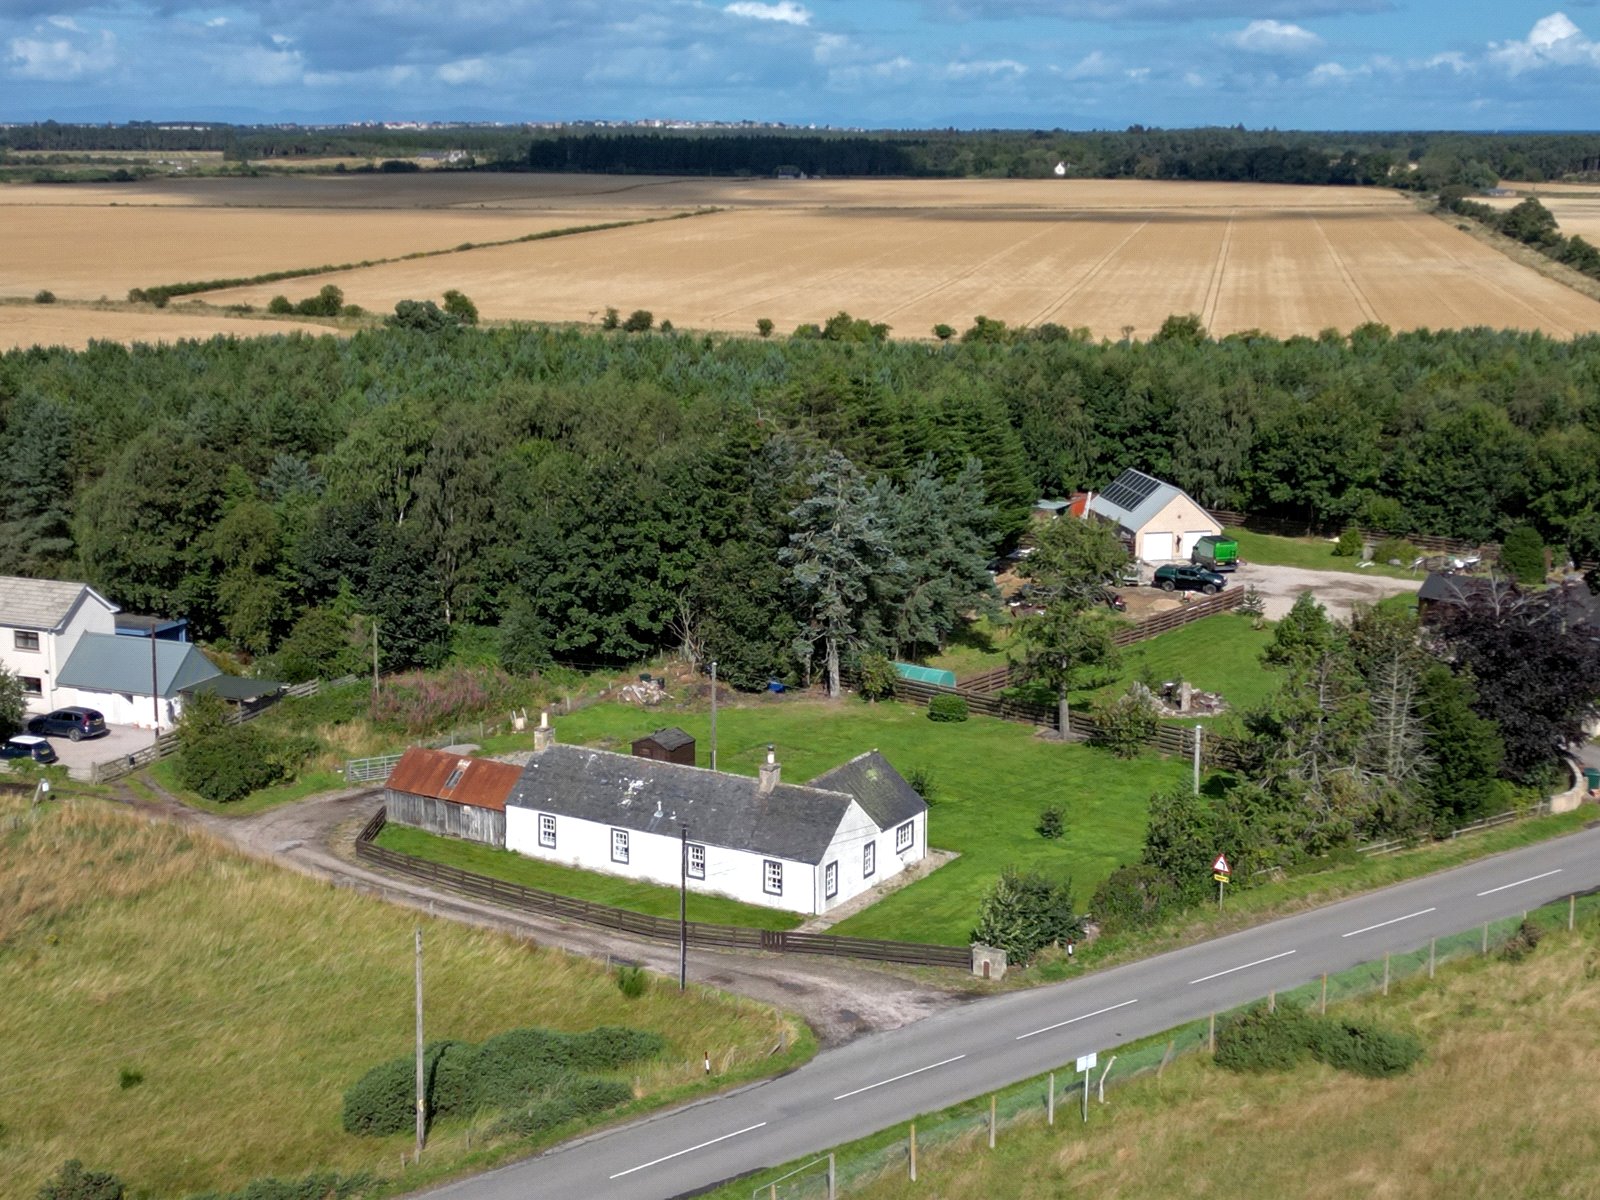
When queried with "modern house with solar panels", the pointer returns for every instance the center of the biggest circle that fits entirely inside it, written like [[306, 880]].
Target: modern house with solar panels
[[1161, 523], [806, 848]]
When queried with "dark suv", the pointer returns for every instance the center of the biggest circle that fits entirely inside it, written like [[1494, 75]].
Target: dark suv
[[1181, 577], [74, 723]]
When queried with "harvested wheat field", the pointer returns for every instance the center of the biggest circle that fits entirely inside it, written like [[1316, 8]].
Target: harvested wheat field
[[1113, 256], [23, 325], [1575, 206]]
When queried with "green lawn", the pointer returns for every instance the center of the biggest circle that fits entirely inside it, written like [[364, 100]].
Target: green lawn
[[993, 778], [584, 885], [1220, 654], [1314, 554], [980, 646]]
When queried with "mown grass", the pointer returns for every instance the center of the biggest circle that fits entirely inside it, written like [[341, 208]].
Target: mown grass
[[993, 778], [631, 894], [1220, 654], [1313, 554], [249, 998], [976, 647], [1502, 1105]]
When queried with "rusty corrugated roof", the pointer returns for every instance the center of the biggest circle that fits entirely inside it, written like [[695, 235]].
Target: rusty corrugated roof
[[479, 782]]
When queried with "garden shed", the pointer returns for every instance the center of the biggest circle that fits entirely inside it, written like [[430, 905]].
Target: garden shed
[[671, 745], [451, 795]]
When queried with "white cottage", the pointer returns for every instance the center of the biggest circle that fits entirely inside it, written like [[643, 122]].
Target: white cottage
[[806, 848], [1160, 522], [41, 621]]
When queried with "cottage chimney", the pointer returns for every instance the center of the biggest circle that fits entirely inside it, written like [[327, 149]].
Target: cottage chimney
[[769, 772], [544, 736]]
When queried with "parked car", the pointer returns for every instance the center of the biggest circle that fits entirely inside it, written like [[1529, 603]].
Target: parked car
[[1178, 577], [27, 745], [74, 723]]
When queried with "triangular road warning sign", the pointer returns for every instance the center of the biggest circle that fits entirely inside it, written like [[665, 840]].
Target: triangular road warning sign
[[1221, 866]]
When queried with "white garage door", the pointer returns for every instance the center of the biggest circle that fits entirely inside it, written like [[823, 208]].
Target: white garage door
[[1186, 545], [1157, 547]]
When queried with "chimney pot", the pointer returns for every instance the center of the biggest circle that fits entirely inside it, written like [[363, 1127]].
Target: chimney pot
[[770, 773], [545, 736]]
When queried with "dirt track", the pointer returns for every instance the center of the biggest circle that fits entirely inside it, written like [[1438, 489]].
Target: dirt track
[[841, 1000]]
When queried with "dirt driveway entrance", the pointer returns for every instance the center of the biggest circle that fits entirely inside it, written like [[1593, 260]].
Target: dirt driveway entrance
[[1337, 591]]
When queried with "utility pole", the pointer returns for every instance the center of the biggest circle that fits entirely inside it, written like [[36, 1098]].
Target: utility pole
[[713, 714], [1197, 730], [683, 909], [155, 687], [375, 659], [422, 1114]]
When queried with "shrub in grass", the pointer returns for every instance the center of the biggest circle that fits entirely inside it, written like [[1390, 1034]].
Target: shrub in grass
[[876, 677], [607, 1047], [1365, 1049], [1127, 723], [383, 1101], [1023, 913], [1522, 554], [764, 326], [1350, 544], [280, 305], [632, 982], [923, 784], [325, 1186], [229, 764], [611, 319], [1259, 1040], [1522, 943], [947, 708], [1051, 824], [129, 1077], [639, 321], [1395, 550], [72, 1182], [1132, 898], [44, 296]]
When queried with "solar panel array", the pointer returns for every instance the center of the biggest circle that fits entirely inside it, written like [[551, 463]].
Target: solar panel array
[[1130, 489]]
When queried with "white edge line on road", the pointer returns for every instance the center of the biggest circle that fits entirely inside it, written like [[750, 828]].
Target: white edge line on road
[[1421, 912], [1240, 967], [898, 1078], [690, 1150], [1520, 882], [1073, 1020]]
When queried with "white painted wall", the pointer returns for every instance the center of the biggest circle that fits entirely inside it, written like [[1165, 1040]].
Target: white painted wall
[[90, 616], [119, 708], [1172, 532], [855, 831], [655, 858]]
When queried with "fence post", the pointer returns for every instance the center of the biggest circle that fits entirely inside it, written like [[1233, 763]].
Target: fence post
[[991, 1120], [1324, 993], [1385, 972], [1050, 1103], [1572, 910], [913, 1152], [1272, 1001], [1211, 1038], [1486, 937], [1432, 946], [833, 1178]]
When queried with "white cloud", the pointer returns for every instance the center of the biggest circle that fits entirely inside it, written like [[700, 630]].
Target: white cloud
[[990, 67], [1094, 65], [1273, 37], [1452, 59], [261, 67], [1138, 74], [1554, 41], [785, 11], [1332, 72], [465, 70], [59, 60], [1194, 79], [66, 23], [216, 22]]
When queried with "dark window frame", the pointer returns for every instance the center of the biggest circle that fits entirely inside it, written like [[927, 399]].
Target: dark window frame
[[547, 830], [830, 880], [771, 867], [17, 643], [619, 837], [869, 860], [905, 837], [696, 872]]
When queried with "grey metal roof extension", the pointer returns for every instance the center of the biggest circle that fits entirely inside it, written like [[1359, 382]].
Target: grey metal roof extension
[[792, 822], [1133, 498], [44, 604], [104, 662], [881, 790]]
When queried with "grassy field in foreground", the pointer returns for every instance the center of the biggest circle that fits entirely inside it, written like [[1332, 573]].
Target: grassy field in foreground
[[993, 778], [584, 885], [248, 999], [1502, 1105]]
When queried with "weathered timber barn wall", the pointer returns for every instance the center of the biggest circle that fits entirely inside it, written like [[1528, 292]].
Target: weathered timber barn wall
[[446, 817]]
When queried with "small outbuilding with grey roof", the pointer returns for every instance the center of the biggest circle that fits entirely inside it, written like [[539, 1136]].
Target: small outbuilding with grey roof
[[118, 676], [1160, 523], [801, 847]]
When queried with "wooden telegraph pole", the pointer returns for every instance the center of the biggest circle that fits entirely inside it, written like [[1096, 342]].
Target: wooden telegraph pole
[[422, 1113]]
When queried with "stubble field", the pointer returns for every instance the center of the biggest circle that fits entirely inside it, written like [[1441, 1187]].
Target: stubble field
[[1116, 257]]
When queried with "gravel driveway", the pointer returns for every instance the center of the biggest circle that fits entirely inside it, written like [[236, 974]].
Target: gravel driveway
[[1338, 591]]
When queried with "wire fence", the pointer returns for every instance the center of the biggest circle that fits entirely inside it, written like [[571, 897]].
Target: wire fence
[[984, 1120]]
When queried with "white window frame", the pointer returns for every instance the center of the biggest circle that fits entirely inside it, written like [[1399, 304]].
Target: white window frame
[[547, 830], [830, 879], [772, 877], [697, 861], [17, 636], [619, 845], [869, 860], [905, 837]]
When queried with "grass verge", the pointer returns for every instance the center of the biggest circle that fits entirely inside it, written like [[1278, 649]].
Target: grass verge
[[1313, 554], [189, 1019], [512, 867], [1489, 1025]]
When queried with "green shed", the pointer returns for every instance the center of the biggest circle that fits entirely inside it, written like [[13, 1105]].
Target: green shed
[[933, 675]]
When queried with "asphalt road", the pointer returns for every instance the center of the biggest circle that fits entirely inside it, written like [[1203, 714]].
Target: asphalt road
[[891, 1077]]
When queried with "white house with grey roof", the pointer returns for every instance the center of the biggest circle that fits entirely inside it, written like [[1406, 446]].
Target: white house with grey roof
[[41, 623], [801, 847], [1160, 522]]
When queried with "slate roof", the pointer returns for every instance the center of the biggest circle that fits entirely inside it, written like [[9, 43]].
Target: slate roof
[[43, 604], [105, 662], [1461, 589], [1155, 494], [670, 738], [792, 821], [484, 783], [880, 789]]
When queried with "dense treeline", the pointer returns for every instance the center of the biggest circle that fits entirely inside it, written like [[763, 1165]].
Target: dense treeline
[[597, 496], [1530, 223], [1428, 160]]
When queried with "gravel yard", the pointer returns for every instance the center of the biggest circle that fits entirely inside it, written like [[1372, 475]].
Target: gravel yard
[[1338, 591]]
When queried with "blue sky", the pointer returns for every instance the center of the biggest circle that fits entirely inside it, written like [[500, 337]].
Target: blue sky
[[1308, 64]]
